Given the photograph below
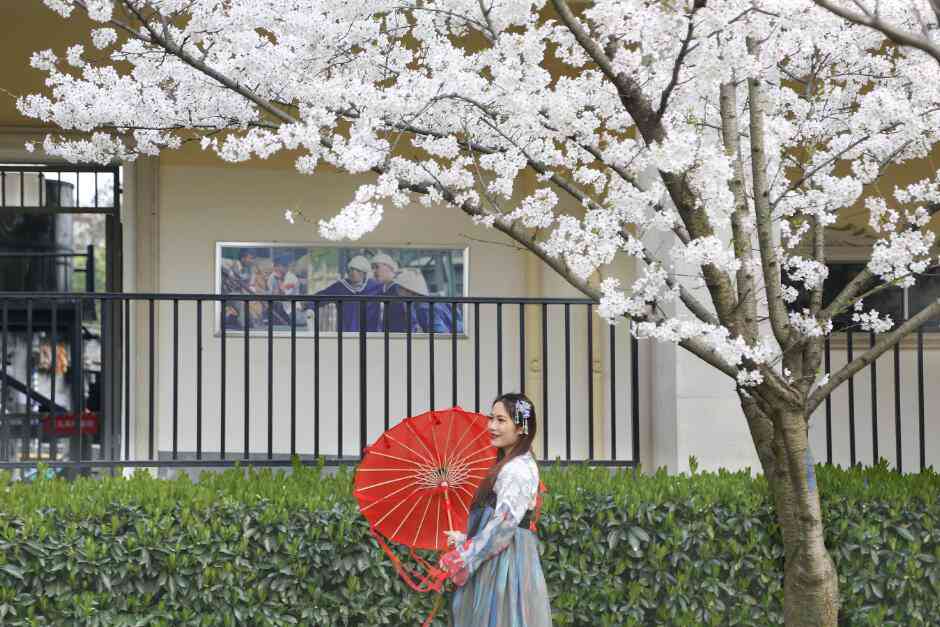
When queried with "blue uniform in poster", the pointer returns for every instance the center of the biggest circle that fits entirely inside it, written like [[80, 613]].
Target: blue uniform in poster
[[443, 322], [398, 319], [350, 319]]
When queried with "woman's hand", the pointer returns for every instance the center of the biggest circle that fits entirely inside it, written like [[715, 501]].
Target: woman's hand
[[455, 538], [452, 564]]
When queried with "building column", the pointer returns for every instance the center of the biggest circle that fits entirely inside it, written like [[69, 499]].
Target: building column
[[142, 269]]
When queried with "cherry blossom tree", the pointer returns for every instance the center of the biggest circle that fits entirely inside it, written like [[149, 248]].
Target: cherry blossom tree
[[729, 133]]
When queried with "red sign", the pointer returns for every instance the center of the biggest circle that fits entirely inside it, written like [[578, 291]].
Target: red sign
[[66, 424]]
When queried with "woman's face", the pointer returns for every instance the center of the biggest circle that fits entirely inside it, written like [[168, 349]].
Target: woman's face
[[504, 433]]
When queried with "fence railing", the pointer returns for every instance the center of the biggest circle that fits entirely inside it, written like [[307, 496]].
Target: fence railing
[[190, 380], [886, 411], [178, 380]]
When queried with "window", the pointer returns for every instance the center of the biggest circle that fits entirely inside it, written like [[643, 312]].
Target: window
[[926, 291], [899, 303]]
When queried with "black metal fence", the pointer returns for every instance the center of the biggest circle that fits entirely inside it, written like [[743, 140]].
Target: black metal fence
[[887, 411], [195, 380], [199, 380]]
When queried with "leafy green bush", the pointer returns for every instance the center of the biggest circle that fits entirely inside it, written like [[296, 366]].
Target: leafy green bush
[[291, 549]]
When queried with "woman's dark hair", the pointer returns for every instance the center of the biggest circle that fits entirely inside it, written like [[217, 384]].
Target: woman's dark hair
[[510, 401]]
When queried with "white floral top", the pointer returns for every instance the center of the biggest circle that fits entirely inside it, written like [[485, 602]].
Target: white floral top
[[516, 489]]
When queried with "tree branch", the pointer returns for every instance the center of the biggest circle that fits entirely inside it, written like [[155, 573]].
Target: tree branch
[[812, 351], [688, 299], [651, 129], [741, 234], [859, 283], [812, 172], [171, 47], [887, 341], [768, 252], [679, 229], [695, 307], [898, 36], [680, 58], [694, 345]]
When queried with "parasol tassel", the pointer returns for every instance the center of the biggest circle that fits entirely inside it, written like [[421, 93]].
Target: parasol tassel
[[437, 608], [433, 581], [533, 526]]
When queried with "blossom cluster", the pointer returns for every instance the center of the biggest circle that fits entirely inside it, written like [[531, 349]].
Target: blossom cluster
[[871, 320]]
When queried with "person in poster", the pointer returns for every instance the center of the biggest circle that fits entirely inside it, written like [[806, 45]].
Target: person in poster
[[411, 283], [356, 283], [385, 270], [333, 274], [244, 276], [282, 282]]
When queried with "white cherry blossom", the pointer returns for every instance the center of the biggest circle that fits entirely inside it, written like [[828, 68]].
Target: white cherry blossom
[[464, 103]]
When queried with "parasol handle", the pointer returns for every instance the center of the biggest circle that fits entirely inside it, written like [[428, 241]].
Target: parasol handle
[[447, 506]]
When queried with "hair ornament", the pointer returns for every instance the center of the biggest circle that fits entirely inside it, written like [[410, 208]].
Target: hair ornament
[[523, 413]]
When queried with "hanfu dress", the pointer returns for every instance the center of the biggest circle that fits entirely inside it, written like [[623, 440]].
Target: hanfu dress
[[499, 559]]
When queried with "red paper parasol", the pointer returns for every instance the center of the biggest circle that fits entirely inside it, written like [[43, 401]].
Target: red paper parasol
[[417, 480]]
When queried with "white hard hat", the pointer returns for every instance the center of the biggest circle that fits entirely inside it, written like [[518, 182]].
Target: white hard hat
[[412, 279], [359, 263], [388, 261]]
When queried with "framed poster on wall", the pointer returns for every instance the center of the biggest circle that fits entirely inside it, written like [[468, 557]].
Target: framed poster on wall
[[333, 273]]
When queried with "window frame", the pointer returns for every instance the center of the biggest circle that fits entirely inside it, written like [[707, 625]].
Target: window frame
[[930, 331]]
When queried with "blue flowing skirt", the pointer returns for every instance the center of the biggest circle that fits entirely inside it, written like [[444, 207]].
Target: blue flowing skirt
[[507, 590]]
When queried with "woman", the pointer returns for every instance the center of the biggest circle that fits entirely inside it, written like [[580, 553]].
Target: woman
[[496, 564]]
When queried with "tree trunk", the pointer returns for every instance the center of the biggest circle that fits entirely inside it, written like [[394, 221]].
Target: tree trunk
[[811, 585]]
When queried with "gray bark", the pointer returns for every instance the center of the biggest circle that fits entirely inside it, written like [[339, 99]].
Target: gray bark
[[811, 584]]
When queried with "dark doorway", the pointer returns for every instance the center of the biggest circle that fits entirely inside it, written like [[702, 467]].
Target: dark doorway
[[60, 242]]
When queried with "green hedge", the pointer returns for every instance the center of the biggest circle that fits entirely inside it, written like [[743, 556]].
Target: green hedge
[[291, 549]]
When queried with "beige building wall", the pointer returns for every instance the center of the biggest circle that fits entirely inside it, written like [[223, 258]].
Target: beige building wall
[[197, 203], [176, 208]]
